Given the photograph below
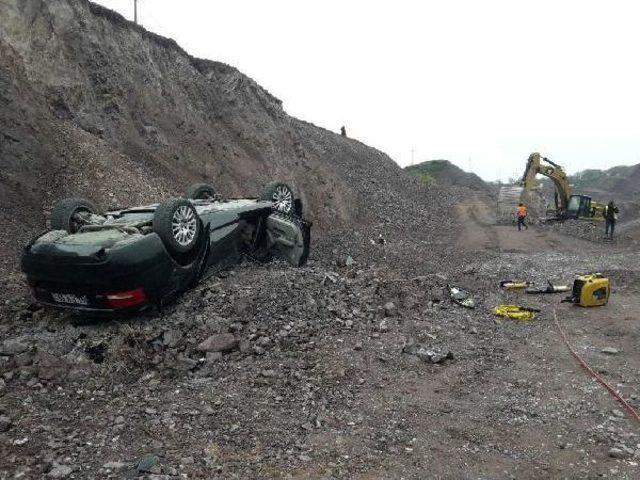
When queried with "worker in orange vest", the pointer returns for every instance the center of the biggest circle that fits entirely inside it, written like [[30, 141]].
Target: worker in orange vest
[[521, 212]]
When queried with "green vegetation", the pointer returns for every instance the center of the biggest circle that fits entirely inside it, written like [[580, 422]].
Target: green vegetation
[[430, 168], [426, 178], [443, 172], [603, 179], [598, 179]]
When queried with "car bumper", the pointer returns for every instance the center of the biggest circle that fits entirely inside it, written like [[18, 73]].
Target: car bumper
[[122, 279]]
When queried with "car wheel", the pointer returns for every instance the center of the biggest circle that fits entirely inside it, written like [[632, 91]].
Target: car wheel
[[201, 191], [281, 195], [67, 214], [177, 224]]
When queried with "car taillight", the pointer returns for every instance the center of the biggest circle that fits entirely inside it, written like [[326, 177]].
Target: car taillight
[[130, 298]]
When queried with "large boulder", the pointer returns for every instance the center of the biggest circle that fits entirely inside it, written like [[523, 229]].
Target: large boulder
[[50, 366], [222, 342], [12, 346]]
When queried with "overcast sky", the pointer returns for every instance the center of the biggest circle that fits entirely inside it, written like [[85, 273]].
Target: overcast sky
[[481, 83]]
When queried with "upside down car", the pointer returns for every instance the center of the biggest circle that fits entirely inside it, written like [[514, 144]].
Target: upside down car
[[132, 258]]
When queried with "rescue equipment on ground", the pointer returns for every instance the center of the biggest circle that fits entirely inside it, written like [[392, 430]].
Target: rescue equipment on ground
[[590, 290], [516, 312], [514, 284], [461, 297], [550, 288]]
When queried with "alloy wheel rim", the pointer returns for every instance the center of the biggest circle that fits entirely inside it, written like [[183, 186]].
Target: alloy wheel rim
[[283, 199], [183, 225]]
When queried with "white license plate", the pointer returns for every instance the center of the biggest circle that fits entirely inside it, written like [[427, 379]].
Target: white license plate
[[70, 298]]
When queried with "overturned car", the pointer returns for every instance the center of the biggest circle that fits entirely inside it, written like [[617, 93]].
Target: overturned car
[[132, 258]]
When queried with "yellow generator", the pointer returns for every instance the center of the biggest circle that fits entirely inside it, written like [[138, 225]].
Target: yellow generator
[[590, 290]]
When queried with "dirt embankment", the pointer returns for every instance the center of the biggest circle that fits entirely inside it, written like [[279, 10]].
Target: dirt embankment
[[94, 105]]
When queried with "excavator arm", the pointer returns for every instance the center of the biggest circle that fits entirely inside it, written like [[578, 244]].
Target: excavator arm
[[539, 165]]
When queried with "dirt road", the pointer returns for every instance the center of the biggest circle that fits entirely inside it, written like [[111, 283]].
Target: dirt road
[[481, 233], [541, 416], [514, 404]]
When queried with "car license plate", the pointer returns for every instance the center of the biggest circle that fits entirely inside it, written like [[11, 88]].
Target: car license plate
[[70, 298]]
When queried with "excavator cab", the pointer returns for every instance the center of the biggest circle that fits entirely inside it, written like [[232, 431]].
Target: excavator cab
[[579, 206]]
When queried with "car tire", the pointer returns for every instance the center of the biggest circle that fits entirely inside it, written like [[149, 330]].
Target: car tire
[[282, 195], [63, 213], [201, 191], [177, 224]]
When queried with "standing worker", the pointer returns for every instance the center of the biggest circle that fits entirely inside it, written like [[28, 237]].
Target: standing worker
[[521, 212], [610, 215], [343, 131]]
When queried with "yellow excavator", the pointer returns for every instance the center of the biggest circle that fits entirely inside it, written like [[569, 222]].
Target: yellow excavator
[[567, 204]]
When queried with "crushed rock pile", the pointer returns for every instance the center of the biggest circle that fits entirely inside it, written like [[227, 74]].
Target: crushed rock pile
[[295, 344], [345, 367], [593, 231]]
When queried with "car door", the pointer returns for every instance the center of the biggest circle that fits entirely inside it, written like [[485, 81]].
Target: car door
[[289, 238]]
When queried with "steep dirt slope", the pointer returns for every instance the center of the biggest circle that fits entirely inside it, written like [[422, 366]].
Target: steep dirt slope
[[95, 105]]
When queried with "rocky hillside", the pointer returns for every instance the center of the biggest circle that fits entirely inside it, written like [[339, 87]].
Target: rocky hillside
[[443, 172], [93, 105], [620, 182], [623, 180]]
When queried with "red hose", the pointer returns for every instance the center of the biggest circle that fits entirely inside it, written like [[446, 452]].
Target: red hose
[[598, 378]]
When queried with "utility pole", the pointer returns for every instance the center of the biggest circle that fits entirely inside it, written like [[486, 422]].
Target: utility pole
[[135, 11], [413, 150]]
